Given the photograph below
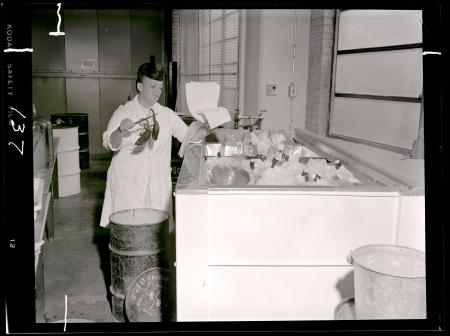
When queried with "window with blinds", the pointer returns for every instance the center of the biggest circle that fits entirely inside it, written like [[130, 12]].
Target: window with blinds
[[377, 78], [219, 53], [176, 35], [177, 29]]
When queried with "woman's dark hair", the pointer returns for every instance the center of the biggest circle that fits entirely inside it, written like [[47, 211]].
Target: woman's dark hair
[[150, 70]]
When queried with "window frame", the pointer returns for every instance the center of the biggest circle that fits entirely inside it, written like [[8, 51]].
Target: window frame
[[334, 94]]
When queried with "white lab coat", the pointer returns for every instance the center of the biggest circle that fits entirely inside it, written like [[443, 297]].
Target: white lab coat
[[139, 176]]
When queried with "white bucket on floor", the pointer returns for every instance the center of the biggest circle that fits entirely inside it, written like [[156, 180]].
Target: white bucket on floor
[[67, 137], [68, 161], [69, 184]]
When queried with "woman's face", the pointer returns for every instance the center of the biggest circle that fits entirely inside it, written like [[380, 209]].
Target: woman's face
[[149, 91]]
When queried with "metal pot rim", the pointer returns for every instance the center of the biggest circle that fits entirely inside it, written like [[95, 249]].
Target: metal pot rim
[[112, 222], [359, 264]]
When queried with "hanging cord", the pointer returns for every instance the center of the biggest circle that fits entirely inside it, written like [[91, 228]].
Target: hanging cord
[[292, 90]]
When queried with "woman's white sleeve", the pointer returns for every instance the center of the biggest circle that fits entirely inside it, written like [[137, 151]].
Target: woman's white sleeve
[[113, 124], [179, 128]]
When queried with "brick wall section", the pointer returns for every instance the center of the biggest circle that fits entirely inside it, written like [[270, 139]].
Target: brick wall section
[[321, 41]]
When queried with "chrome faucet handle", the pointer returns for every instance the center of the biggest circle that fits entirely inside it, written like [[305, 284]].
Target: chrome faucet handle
[[260, 116], [262, 113], [258, 119], [243, 118], [237, 119]]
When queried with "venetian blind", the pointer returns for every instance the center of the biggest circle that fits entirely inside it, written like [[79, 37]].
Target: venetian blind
[[176, 32], [219, 53]]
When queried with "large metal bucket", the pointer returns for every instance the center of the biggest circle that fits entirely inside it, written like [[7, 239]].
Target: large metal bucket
[[389, 282], [138, 242]]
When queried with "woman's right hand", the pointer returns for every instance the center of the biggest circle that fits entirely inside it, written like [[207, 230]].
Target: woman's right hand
[[126, 124]]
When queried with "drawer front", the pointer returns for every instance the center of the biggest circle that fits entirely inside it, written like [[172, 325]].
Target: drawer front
[[296, 229], [277, 293]]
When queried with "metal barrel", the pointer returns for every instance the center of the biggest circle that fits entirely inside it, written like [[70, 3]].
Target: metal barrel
[[389, 282], [82, 121], [151, 297], [67, 152], [118, 306], [138, 242]]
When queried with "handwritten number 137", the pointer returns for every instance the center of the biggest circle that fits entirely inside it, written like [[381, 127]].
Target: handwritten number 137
[[17, 129]]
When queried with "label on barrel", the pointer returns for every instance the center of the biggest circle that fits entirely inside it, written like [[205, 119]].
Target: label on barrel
[[148, 298]]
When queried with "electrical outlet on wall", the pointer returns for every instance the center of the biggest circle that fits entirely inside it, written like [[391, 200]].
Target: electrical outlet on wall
[[271, 89], [88, 64]]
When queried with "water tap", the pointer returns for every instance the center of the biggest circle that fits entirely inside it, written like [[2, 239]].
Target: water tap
[[258, 120], [238, 118]]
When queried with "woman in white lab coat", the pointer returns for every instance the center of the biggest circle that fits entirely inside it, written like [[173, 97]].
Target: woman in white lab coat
[[140, 134]]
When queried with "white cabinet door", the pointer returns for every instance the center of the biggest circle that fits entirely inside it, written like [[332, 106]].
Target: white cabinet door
[[276, 293]]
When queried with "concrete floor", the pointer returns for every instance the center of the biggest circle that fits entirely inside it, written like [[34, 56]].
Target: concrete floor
[[76, 262]]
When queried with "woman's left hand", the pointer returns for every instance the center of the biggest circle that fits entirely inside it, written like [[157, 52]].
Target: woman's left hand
[[200, 134]]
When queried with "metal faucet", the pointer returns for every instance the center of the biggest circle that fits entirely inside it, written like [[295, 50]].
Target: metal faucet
[[258, 119], [238, 118]]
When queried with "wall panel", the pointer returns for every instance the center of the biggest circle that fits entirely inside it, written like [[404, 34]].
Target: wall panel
[[49, 95], [147, 27], [48, 51], [114, 40], [275, 67], [81, 39], [147, 38], [83, 97], [113, 92]]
